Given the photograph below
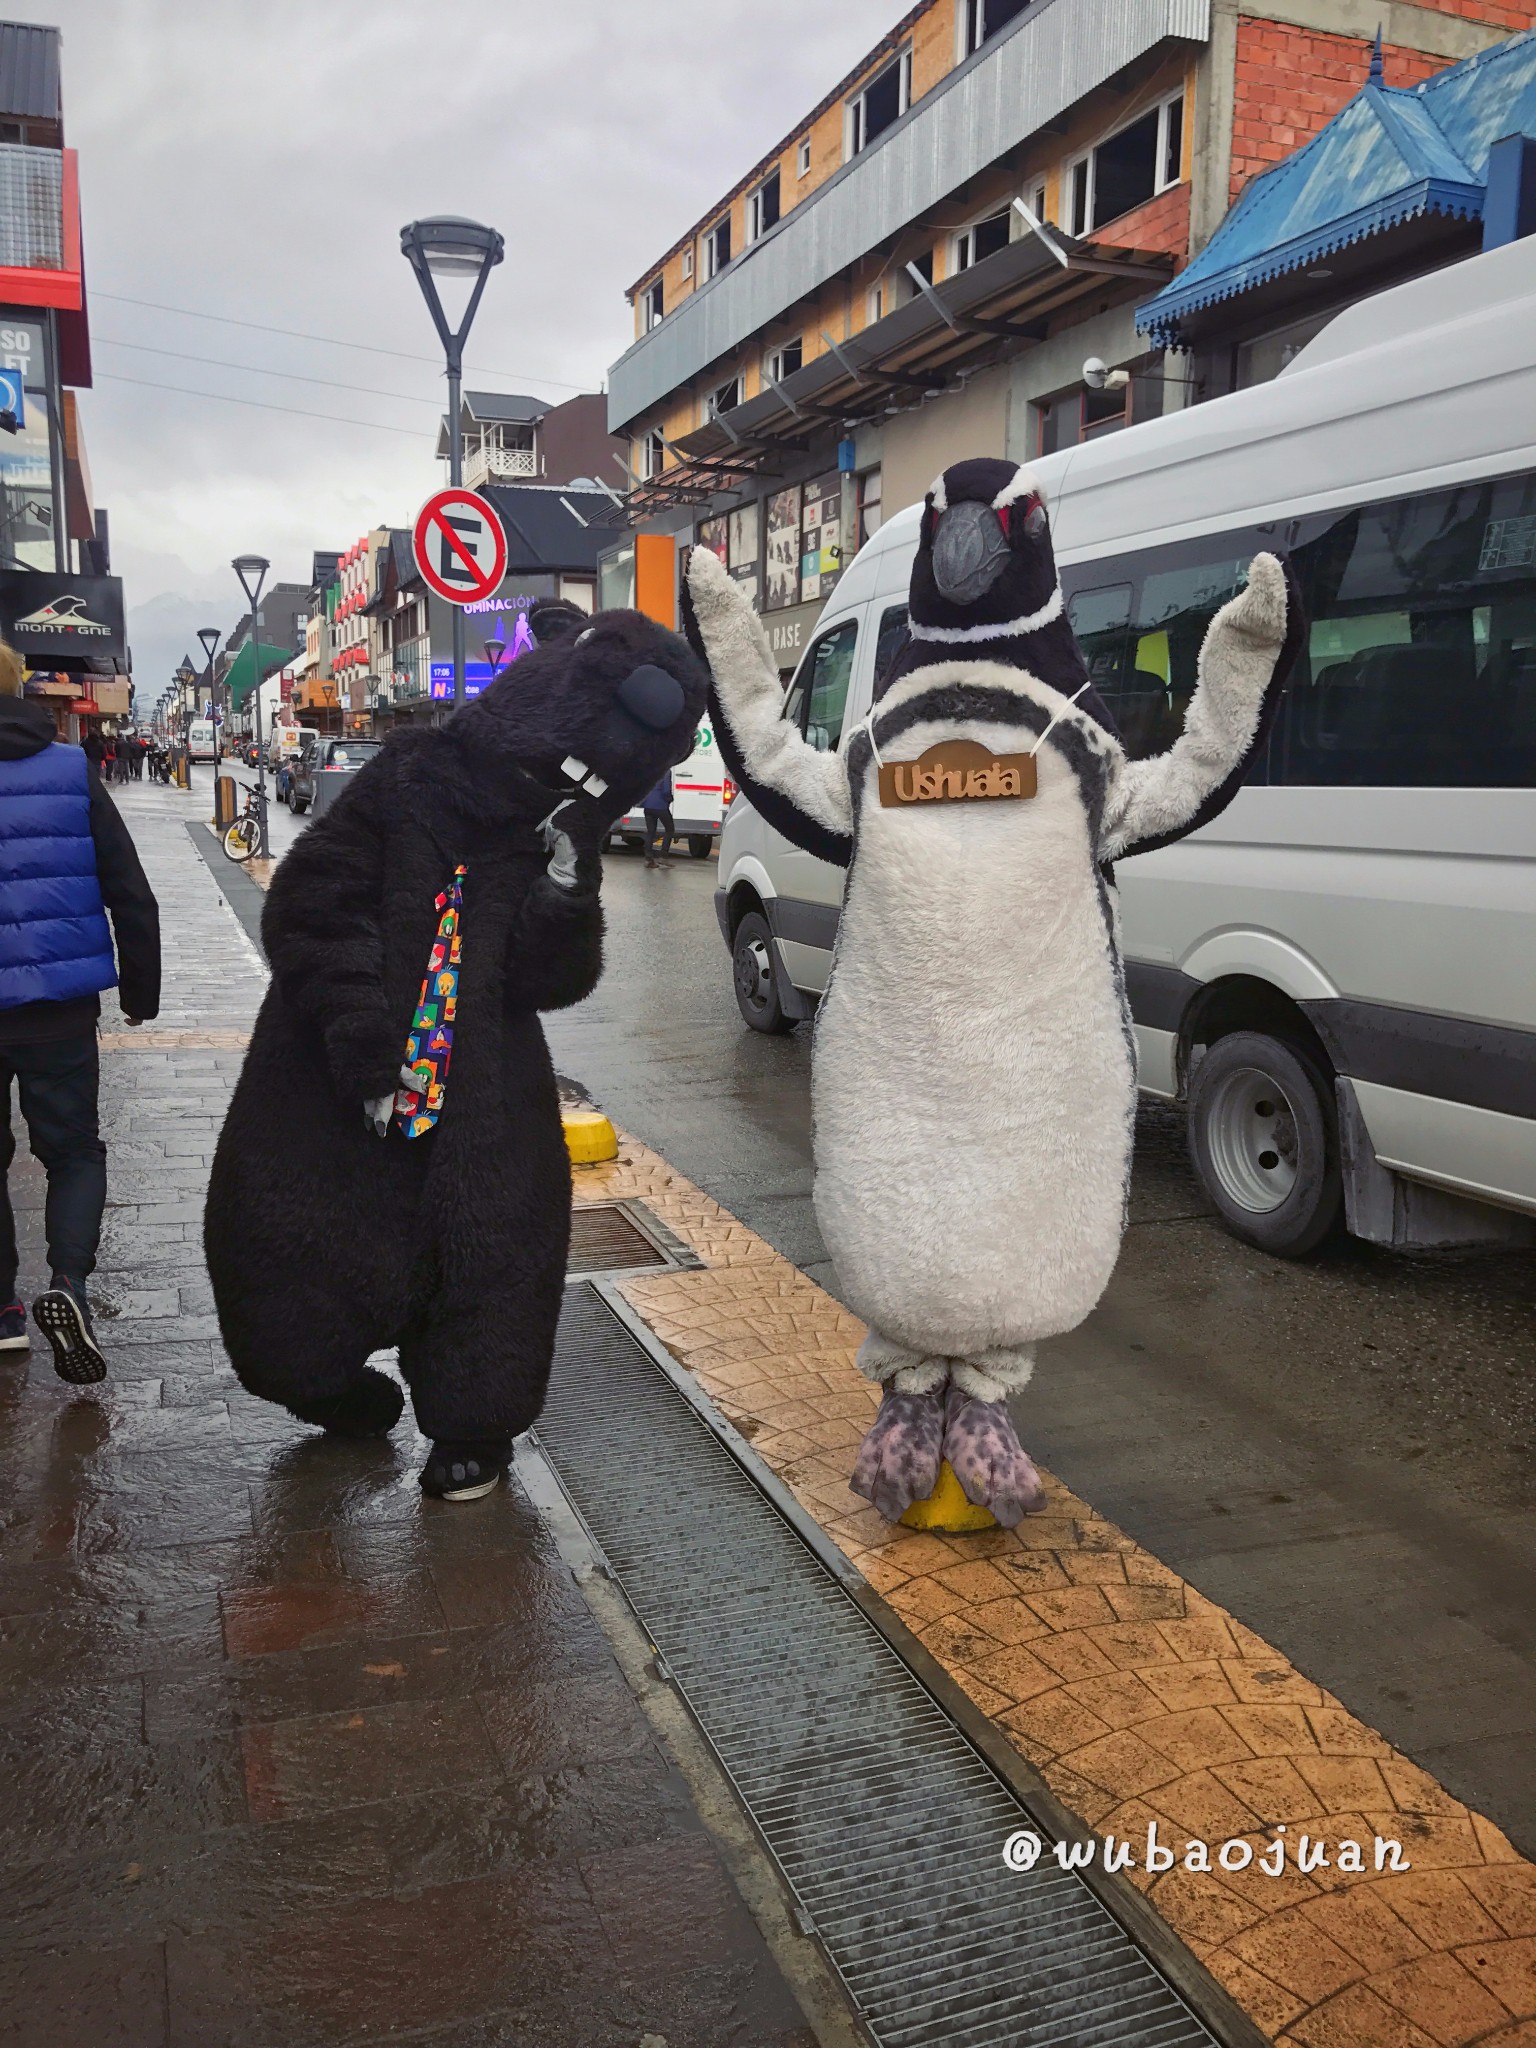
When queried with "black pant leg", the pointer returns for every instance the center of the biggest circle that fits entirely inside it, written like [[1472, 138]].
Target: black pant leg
[[10, 1261], [666, 833], [59, 1081], [652, 829]]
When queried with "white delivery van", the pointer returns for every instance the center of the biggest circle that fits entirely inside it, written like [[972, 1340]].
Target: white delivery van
[[202, 740], [701, 790], [1337, 976]]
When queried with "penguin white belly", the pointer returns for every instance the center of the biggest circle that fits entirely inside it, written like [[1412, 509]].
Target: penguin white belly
[[974, 1084]]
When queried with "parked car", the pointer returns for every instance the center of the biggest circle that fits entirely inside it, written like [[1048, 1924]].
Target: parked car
[[1334, 978], [318, 771]]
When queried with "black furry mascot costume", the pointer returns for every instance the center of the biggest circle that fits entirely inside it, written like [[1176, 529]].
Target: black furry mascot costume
[[973, 1079], [392, 1170]]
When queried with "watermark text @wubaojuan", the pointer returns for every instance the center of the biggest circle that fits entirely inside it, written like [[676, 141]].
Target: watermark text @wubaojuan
[[1024, 1849]]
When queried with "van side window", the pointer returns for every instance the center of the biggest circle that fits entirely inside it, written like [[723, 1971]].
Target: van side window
[[818, 696], [892, 638], [1101, 620], [1421, 662]]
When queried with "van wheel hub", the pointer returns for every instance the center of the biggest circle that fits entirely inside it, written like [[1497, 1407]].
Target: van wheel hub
[[1252, 1137]]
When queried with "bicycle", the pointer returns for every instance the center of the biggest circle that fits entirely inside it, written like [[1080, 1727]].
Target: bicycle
[[242, 840]]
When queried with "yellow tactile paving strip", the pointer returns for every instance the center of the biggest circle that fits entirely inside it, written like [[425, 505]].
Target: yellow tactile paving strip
[[1138, 1699]]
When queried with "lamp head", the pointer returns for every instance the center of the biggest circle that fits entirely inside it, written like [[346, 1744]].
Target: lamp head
[[451, 246]]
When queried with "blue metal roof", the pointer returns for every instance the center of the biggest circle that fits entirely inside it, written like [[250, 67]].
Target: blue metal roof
[[1388, 156]]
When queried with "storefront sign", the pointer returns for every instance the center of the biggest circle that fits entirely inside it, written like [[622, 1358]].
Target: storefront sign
[[789, 632], [63, 622]]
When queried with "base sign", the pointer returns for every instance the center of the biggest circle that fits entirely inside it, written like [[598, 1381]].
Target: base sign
[[459, 546]]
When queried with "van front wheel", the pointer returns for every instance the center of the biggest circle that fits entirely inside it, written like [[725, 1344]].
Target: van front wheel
[[1264, 1143], [757, 990]]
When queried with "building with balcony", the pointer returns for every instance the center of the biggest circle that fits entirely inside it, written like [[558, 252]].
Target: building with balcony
[[509, 438], [53, 540], [357, 662], [918, 271]]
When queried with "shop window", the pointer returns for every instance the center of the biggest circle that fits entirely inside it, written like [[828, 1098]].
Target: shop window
[[743, 549], [782, 549], [783, 361], [882, 103], [821, 536], [869, 504], [1127, 168], [763, 207], [1265, 357], [1104, 412], [982, 238], [717, 247], [982, 18], [652, 306], [818, 697]]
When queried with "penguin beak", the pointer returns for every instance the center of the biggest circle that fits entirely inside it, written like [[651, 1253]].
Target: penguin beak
[[970, 551]]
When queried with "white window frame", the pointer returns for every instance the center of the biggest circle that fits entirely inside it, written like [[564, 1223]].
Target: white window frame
[[970, 24], [953, 264], [712, 264], [874, 308], [1160, 182], [687, 263], [773, 358], [653, 308], [803, 157], [653, 456], [853, 108], [755, 228], [712, 406]]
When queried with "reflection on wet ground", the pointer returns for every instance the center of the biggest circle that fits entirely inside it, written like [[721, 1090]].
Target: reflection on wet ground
[[287, 1755]]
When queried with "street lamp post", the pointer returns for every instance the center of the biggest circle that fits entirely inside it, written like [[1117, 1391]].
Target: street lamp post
[[210, 636], [448, 246], [252, 571]]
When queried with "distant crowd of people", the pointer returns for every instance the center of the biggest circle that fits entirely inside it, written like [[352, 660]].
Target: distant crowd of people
[[124, 757]]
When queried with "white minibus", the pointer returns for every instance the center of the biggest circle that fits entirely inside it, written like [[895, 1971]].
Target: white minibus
[[1338, 976], [202, 740]]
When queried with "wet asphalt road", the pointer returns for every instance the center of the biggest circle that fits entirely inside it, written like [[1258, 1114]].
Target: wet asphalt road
[[1342, 1452]]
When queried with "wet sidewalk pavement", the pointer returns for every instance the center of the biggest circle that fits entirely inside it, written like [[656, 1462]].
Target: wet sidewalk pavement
[[287, 1755]]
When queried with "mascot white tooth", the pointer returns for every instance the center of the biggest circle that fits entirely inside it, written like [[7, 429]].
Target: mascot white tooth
[[974, 1079]]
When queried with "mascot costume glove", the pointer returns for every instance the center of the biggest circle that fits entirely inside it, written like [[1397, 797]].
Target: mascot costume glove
[[974, 1071], [438, 1223]]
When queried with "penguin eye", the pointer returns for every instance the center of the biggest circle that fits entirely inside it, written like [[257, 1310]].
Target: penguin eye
[[1034, 523]]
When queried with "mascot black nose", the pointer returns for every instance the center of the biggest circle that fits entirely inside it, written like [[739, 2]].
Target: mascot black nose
[[652, 697], [969, 551]]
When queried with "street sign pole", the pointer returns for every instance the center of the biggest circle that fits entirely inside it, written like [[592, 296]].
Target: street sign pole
[[456, 479], [460, 547]]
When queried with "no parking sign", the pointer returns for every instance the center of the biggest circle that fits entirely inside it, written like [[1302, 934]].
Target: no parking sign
[[459, 546]]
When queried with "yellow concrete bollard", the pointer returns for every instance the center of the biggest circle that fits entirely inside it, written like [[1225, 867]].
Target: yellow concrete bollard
[[947, 1510], [589, 1137]]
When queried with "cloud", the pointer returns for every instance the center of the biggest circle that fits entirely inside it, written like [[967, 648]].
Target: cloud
[[258, 163]]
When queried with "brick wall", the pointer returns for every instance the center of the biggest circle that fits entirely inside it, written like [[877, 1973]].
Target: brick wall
[[1290, 82], [1160, 227], [1497, 13]]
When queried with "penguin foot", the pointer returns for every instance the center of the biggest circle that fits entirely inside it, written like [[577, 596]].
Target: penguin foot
[[371, 1406], [984, 1451], [898, 1461]]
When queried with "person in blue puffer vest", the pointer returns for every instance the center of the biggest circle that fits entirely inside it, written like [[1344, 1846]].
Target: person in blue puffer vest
[[66, 861]]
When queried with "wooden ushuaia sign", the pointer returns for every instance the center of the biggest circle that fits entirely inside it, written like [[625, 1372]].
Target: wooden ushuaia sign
[[956, 771]]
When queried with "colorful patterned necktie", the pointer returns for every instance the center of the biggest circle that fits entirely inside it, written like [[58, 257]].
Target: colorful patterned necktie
[[430, 1045]]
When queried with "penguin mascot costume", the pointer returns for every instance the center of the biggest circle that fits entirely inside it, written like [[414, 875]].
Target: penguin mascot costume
[[392, 1170], [974, 1072]]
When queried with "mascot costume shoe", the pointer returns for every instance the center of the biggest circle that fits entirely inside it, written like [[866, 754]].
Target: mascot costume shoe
[[392, 1171], [974, 1072]]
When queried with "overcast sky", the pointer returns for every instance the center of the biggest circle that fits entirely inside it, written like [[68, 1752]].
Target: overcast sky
[[258, 161]]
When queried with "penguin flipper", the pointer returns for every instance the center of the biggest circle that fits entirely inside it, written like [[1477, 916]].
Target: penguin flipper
[[1247, 654], [796, 789]]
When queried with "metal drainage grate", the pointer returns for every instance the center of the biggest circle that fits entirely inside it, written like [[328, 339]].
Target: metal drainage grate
[[618, 1237], [884, 1819]]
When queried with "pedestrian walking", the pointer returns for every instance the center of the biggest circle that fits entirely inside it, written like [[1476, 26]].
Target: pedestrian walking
[[658, 821], [108, 763], [66, 861], [139, 748], [94, 747]]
